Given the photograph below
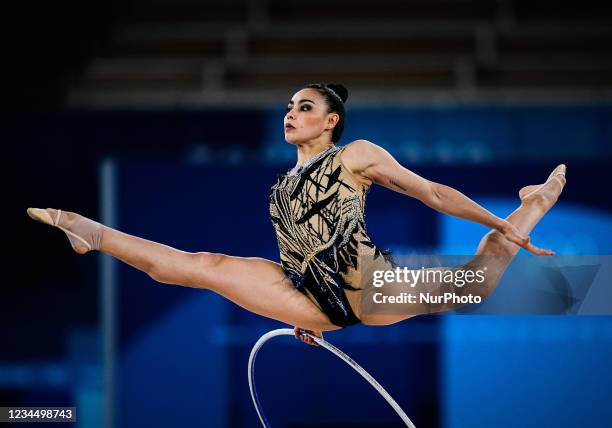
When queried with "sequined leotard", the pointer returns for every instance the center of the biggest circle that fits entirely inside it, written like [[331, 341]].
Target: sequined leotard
[[318, 215]]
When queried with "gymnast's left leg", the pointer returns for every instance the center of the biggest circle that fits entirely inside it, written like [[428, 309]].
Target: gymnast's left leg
[[254, 283]]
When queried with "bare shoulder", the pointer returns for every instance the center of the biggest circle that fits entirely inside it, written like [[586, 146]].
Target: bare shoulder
[[357, 157]]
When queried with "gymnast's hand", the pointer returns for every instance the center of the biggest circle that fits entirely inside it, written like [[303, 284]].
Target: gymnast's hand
[[299, 334], [512, 234]]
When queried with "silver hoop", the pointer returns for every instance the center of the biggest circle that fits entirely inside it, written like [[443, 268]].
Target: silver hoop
[[337, 352]]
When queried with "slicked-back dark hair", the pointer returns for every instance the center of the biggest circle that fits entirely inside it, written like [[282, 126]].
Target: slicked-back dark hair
[[335, 96]]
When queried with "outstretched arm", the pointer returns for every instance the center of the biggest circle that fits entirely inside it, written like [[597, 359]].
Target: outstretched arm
[[373, 164]]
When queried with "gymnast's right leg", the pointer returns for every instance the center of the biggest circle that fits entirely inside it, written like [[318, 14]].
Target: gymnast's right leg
[[254, 283], [494, 254]]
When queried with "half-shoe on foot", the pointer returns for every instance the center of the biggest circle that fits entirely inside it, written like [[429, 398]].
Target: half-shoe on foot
[[84, 234], [546, 194]]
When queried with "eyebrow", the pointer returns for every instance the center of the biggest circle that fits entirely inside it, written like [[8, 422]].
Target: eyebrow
[[302, 101]]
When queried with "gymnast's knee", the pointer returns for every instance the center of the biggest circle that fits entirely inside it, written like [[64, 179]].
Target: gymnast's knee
[[188, 269], [208, 260], [205, 268]]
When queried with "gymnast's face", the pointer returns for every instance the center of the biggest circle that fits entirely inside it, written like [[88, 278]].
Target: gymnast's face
[[307, 118]]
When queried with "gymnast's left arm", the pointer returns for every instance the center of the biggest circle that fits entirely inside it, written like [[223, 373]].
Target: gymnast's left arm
[[371, 163]]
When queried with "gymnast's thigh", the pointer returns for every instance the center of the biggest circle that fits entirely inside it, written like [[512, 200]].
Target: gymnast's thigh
[[387, 304], [261, 286]]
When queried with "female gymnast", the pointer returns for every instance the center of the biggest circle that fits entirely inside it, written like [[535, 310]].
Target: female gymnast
[[317, 209]]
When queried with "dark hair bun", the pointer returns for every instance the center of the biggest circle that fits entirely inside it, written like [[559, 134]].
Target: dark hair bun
[[340, 90]]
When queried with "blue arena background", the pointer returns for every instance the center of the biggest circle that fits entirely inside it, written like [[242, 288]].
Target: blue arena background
[[164, 119]]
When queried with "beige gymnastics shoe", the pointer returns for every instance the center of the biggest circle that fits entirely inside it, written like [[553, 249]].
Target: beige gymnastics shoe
[[84, 234], [556, 174]]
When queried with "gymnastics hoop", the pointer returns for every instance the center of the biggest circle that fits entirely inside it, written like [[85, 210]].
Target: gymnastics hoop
[[337, 352]]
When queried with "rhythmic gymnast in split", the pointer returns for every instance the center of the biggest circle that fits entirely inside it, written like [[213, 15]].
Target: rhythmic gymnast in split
[[317, 209]]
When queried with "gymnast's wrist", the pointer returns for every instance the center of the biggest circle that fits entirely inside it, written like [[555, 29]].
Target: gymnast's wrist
[[502, 225]]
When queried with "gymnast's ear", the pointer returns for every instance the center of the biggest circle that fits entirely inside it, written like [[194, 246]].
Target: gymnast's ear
[[332, 120]]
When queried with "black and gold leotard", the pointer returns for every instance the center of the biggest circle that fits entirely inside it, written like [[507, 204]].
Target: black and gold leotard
[[318, 215]]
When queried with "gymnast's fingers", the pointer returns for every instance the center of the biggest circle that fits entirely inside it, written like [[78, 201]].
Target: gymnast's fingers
[[300, 334], [314, 333], [538, 251]]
